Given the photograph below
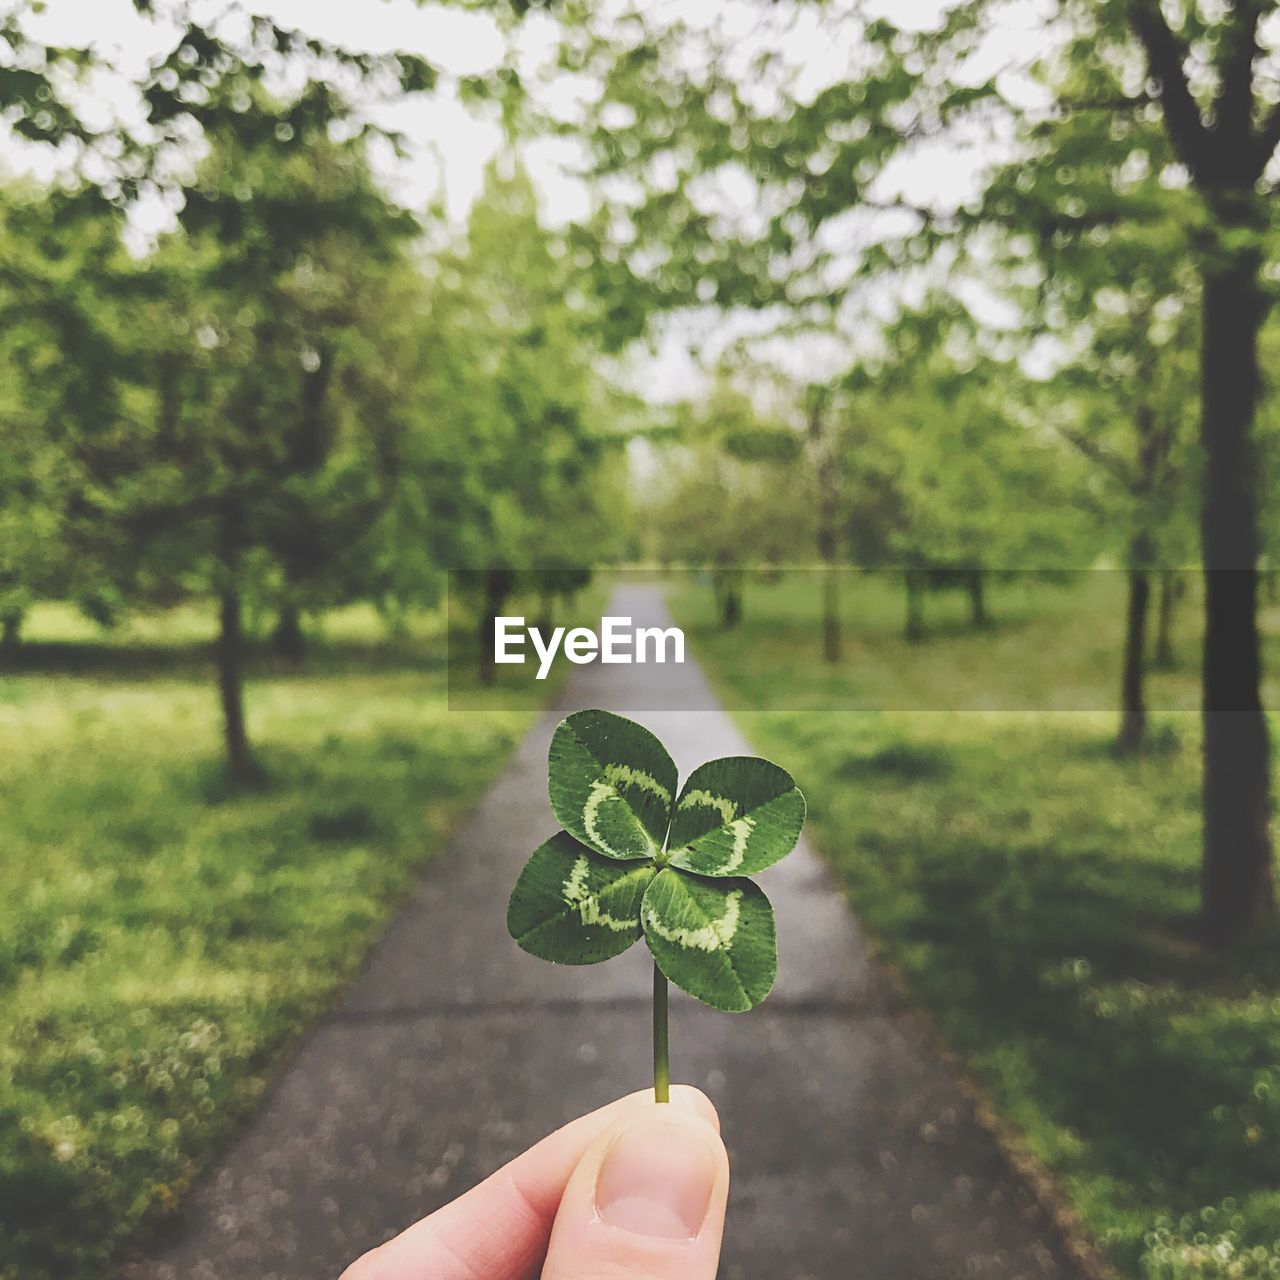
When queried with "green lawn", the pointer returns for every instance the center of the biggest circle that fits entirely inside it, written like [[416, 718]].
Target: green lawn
[[163, 943], [1037, 897]]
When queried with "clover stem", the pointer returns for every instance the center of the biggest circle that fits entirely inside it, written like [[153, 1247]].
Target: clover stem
[[661, 1059]]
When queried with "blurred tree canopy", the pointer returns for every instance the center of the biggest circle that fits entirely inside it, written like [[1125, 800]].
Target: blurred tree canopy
[[731, 493], [728, 174], [291, 399]]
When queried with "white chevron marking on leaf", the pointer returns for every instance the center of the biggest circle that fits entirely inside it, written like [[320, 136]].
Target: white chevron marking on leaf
[[715, 935], [576, 894], [603, 789], [625, 775], [726, 808], [742, 830]]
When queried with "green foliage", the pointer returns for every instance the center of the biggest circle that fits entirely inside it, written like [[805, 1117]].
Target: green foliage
[[938, 453], [65, 287], [735, 816], [522, 465], [749, 456], [580, 900], [715, 939], [572, 905], [1097, 234], [611, 784], [260, 432]]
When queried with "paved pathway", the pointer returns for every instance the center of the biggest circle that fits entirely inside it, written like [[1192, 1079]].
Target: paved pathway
[[855, 1154]]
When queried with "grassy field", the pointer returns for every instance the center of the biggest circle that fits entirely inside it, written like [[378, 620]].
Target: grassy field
[[1037, 895], [163, 943]]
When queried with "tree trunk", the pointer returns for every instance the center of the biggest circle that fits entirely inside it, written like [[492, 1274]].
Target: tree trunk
[[230, 655], [1236, 884], [11, 631], [1170, 592], [731, 607], [728, 594], [546, 612], [1133, 704], [288, 638], [831, 636], [976, 581], [497, 587], [915, 604], [240, 767], [827, 470]]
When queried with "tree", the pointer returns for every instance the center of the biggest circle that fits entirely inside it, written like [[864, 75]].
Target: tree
[[238, 394], [1211, 72], [946, 452], [243, 458], [1126, 405], [823, 449], [518, 459], [1101, 265], [732, 491]]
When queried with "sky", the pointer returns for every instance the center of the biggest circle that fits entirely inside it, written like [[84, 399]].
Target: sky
[[449, 147]]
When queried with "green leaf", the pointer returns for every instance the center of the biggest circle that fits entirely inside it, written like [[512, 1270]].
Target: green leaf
[[714, 939], [572, 906], [735, 817], [612, 784]]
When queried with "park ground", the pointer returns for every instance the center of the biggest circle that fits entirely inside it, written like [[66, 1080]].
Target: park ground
[[163, 944], [1035, 894]]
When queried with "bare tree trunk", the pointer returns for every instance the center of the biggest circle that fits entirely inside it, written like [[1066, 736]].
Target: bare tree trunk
[[976, 582], [288, 639], [831, 632], [1237, 888], [731, 610], [546, 611], [497, 587], [230, 653], [827, 470], [727, 588], [1170, 593], [915, 580], [1133, 705], [11, 631]]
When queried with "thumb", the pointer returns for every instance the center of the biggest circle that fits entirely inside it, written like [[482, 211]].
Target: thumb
[[647, 1199]]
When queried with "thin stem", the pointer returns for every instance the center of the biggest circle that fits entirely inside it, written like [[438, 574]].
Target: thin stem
[[661, 1058]]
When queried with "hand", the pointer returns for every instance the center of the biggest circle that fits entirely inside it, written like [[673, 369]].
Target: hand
[[635, 1189]]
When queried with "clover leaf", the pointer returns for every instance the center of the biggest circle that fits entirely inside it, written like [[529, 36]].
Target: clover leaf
[[636, 860]]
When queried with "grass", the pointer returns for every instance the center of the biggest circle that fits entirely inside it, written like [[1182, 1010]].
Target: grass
[[1037, 896], [163, 943]]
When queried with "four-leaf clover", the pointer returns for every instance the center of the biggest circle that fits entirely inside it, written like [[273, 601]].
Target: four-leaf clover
[[636, 858]]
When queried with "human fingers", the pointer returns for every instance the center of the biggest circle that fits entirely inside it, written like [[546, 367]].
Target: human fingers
[[499, 1229], [646, 1201]]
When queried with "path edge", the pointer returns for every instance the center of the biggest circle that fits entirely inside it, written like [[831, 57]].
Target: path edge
[[1023, 1163]]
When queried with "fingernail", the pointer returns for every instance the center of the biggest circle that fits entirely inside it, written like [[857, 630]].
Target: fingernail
[[656, 1180]]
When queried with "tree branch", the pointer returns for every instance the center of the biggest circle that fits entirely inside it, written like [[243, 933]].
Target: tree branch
[[1233, 110], [1114, 466], [1267, 140], [1165, 55]]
